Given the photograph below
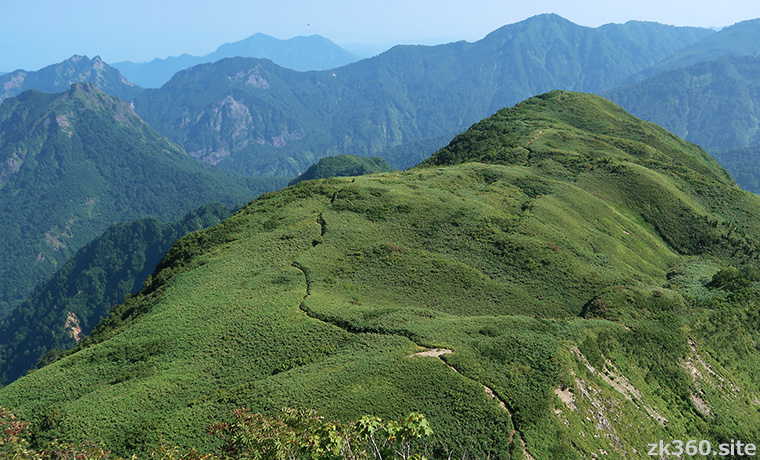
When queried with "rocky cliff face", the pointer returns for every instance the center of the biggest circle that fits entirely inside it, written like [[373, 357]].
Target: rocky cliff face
[[57, 78]]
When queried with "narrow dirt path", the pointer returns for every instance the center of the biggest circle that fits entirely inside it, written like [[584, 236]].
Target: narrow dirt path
[[431, 353], [438, 352]]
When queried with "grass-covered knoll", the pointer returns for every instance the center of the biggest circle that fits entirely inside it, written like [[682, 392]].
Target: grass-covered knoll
[[582, 278], [73, 163], [65, 308], [341, 166]]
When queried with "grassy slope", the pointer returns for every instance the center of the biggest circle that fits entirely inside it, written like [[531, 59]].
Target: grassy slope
[[563, 267]]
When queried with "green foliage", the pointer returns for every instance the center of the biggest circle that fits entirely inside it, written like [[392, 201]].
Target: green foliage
[[559, 282], [80, 161], [69, 305], [742, 165], [289, 435], [295, 434], [343, 165]]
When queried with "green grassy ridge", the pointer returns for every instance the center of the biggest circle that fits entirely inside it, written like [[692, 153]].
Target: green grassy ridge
[[133, 359], [317, 295]]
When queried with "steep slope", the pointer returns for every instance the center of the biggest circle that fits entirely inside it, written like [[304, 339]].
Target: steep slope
[[712, 103], [73, 163], [341, 166], [67, 307], [313, 52], [258, 118], [56, 78], [558, 254]]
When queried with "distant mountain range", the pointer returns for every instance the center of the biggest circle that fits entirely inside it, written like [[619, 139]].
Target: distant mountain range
[[57, 78], [740, 39], [265, 120], [73, 163], [258, 118], [301, 53], [714, 103]]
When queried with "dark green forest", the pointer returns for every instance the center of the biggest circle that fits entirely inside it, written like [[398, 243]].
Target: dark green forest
[[343, 165], [62, 310], [76, 162]]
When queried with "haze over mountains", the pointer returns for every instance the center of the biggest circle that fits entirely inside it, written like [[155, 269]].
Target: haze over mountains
[[740, 39], [419, 97], [258, 118], [298, 53]]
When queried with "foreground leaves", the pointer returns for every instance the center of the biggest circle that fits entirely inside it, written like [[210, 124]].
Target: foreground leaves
[[289, 435]]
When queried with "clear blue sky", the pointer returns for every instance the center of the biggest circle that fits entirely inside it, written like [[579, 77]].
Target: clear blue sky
[[35, 33]]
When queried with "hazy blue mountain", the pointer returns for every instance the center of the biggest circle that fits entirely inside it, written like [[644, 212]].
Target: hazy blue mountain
[[57, 78], [67, 307], [73, 163], [255, 117], [313, 52], [715, 104], [740, 39], [743, 164]]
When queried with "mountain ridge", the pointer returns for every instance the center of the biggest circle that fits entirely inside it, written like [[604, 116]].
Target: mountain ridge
[[577, 265], [258, 118], [58, 77], [740, 39], [711, 103]]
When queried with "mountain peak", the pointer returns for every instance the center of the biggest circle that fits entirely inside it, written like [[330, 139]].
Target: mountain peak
[[302, 53], [573, 129], [56, 78]]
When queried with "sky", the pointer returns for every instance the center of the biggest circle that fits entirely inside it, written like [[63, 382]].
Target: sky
[[36, 33]]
